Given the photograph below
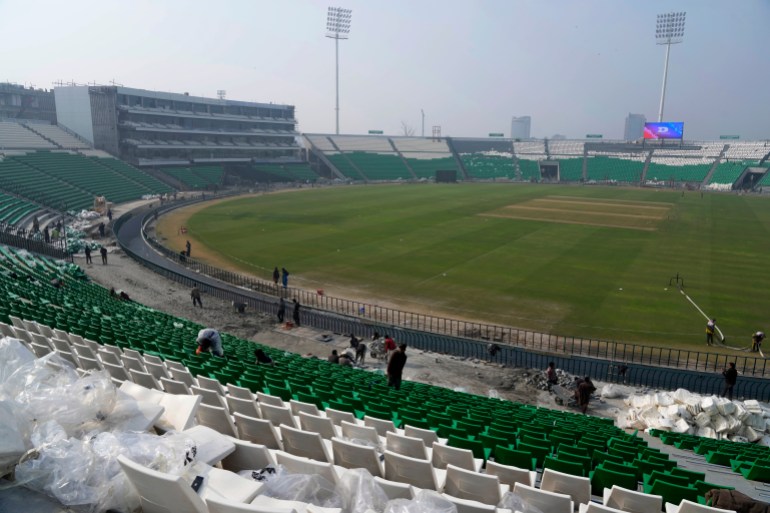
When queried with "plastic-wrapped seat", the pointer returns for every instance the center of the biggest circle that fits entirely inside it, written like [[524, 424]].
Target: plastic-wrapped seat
[[161, 492]]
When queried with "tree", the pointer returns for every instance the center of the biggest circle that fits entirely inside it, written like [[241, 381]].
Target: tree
[[406, 129]]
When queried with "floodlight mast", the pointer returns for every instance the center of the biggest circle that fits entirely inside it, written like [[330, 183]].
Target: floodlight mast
[[337, 27], [669, 30]]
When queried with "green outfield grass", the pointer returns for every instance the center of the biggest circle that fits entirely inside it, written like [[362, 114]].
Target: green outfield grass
[[579, 261]]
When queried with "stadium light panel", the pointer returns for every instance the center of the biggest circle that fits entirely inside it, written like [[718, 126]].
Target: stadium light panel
[[338, 27], [669, 30]]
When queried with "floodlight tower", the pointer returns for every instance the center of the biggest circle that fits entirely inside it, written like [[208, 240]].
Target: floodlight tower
[[337, 27], [669, 30]]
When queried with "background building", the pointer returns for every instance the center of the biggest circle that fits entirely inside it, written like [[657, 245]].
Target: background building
[[19, 102], [520, 127], [151, 128], [634, 127]]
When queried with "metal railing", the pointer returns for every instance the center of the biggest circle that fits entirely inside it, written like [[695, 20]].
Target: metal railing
[[53, 249]]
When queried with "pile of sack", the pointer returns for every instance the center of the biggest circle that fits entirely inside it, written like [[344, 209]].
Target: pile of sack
[[709, 416]]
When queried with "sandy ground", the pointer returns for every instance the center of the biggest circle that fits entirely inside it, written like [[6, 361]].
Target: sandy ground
[[474, 376]]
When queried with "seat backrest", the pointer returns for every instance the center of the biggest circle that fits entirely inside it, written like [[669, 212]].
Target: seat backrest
[[211, 384], [116, 371], [511, 475], [406, 445], [338, 416], [630, 500], [132, 363], [545, 500], [182, 375], [418, 473], [317, 424], [258, 431], [209, 396], [277, 414], [350, 455], [160, 492], [269, 399], [687, 506], [172, 386], [468, 506], [579, 488], [157, 369], [304, 443], [247, 407], [395, 490], [299, 465], [428, 436], [247, 456], [382, 426], [217, 418], [593, 507], [356, 432], [240, 392], [444, 455], [145, 379], [467, 484], [299, 406]]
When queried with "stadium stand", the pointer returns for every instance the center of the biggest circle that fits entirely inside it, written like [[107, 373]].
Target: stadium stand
[[727, 172], [201, 177], [489, 165], [615, 167], [678, 169], [85, 325], [380, 166], [426, 156], [17, 136], [57, 136], [68, 181], [748, 151], [571, 170], [566, 148], [152, 184], [529, 170], [486, 159], [13, 210], [289, 172]]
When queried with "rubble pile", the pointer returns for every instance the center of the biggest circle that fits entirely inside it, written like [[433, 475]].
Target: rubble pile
[[538, 380], [708, 416]]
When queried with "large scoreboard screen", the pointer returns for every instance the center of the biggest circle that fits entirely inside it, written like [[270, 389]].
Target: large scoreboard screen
[[666, 130]]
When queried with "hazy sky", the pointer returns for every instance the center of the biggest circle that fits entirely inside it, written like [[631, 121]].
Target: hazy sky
[[576, 67]]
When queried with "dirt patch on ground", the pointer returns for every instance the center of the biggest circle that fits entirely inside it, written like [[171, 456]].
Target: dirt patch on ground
[[635, 215], [471, 375]]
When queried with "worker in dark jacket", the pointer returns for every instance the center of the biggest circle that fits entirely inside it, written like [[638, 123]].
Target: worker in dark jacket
[[731, 376], [396, 367]]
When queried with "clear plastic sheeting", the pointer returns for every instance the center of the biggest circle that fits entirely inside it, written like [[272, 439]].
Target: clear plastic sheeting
[[517, 504], [310, 488], [61, 431], [50, 388], [13, 354], [11, 441], [360, 492], [84, 473], [426, 501], [708, 416]]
